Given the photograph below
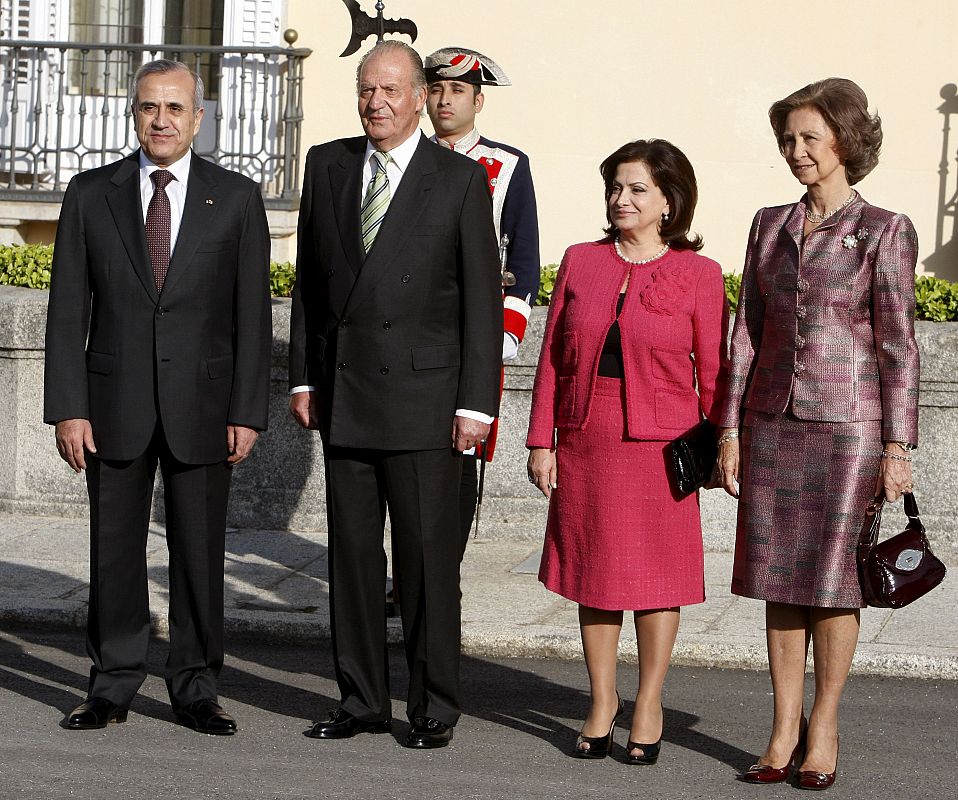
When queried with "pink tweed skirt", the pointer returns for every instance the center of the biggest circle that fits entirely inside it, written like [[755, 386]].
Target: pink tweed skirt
[[618, 536]]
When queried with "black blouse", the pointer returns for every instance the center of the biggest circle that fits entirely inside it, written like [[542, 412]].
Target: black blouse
[[610, 360]]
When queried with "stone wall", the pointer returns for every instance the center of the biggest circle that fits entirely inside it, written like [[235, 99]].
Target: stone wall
[[281, 485]]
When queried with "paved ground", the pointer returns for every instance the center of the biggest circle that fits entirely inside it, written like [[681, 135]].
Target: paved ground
[[521, 717], [277, 591]]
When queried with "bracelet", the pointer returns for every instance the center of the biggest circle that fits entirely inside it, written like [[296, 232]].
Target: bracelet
[[728, 436], [894, 456]]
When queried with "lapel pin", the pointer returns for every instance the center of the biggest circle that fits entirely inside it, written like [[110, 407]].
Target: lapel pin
[[209, 202]]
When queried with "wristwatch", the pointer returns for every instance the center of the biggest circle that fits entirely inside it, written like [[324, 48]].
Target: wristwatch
[[906, 446]]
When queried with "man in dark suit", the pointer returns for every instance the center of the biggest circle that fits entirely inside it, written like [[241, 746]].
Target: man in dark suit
[[395, 347], [157, 352]]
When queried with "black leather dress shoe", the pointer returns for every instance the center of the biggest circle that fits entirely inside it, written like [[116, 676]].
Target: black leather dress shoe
[[343, 725], [427, 732], [206, 716], [92, 713]]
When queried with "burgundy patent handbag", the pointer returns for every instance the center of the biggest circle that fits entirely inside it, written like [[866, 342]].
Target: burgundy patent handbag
[[901, 569]]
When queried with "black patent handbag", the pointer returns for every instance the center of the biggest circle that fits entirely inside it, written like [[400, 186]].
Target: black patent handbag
[[693, 457], [901, 569]]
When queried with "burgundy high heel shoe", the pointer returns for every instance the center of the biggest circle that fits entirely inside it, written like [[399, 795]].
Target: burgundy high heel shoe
[[817, 781], [599, 746], [766, 773]]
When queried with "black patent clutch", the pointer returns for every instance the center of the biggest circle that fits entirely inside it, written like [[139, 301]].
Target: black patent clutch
[[693, 457]]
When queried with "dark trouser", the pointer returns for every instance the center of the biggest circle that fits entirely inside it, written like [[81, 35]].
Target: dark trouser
[[118, 628], [421, 488], [468, 497]]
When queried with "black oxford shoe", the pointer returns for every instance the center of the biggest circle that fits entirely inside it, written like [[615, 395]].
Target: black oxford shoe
[[343, 725], [93, 713], [427, 732], [206, 716]]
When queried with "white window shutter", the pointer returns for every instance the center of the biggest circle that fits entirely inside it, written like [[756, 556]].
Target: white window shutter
[[253, 22]]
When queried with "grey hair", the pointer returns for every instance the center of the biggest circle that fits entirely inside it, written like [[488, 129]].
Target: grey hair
[[394, 45], [160, 67]]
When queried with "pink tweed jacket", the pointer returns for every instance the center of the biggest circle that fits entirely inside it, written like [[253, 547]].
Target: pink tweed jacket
[[826, 330], [673, 323]]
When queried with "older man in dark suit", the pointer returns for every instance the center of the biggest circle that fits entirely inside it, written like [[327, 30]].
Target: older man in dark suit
[[394, 355], [157, 352]]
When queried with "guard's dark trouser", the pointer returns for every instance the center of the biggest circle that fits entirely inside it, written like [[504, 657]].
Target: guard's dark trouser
[[468, 497]]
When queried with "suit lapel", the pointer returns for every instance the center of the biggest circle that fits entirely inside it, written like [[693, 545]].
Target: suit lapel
[[199, 211], [126, 207], [345, 177], [404, 211]]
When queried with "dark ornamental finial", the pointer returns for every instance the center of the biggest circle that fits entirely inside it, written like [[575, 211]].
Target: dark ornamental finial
[[365, 26]]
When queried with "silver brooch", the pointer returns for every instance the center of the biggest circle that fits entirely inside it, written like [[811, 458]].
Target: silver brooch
[[851, 241]]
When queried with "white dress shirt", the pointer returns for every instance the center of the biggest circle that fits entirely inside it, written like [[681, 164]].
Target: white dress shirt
[[175, 190]]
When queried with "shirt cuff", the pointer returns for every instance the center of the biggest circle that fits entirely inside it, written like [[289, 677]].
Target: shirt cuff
[[476, 415], [298, 389]]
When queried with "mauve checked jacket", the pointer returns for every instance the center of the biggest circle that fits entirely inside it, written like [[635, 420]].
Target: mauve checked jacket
[[827, 332]]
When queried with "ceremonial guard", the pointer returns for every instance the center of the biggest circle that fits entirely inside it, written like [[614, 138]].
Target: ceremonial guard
[[456, 76]]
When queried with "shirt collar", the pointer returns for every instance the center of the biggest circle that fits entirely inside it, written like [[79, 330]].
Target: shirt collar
[[464, 145], [402, 154], [180, 168]]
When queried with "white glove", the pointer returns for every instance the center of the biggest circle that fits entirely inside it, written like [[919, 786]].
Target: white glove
[[510, 346]]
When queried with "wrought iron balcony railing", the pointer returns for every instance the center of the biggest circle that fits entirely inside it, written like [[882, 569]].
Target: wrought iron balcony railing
[[64, 108]]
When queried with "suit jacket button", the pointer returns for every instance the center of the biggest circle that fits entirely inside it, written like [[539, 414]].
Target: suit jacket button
[[799, 342], [387, 325], [384, 370], [344, 323], [329, 273], [800, 312], [405, 278], [799, 369], [341, 366], [802, 285], [160, 310]]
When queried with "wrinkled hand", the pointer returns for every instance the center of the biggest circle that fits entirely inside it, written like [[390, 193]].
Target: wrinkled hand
[[467, 433], [304, 406], [542, 469], [74, 438], [894, 476], [727, 465], [239, 442]]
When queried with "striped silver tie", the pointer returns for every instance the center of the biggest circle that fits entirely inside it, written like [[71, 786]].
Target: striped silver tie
[[376, 200]]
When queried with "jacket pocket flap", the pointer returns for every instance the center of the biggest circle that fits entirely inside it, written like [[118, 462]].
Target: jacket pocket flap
[[220, 366], [435, 356], [100, 363]]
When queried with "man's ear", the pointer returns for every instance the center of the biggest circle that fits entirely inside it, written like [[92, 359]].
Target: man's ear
[[480, 101]]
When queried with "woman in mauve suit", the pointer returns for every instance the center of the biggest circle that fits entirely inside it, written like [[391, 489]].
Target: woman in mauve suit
[[637, 321], [821, 411]]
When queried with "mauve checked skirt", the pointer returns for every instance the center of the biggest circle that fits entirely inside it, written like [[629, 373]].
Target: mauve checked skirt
[[804, 490], [617, 537]]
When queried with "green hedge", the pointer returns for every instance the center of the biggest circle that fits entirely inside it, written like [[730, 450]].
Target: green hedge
[[29, 265]]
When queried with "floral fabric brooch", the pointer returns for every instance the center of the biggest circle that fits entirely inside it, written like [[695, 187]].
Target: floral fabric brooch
[[851, 241]]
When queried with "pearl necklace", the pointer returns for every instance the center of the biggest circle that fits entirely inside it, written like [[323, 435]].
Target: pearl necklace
[[818, 219], [624, 257]]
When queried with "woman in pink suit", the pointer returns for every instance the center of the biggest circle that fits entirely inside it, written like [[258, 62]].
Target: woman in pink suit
[[637, 322], [823, 397]]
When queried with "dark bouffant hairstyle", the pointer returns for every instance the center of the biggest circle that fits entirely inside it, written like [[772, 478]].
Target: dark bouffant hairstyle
[[673, 174], [844, 107]]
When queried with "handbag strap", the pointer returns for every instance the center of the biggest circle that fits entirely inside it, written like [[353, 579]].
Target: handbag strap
[[872, 526]]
